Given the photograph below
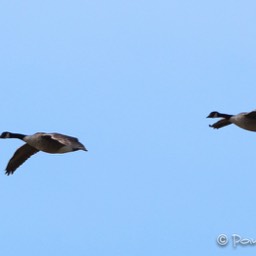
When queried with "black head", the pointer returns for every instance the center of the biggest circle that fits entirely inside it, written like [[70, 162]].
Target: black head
[[5, 135], [213, 114]]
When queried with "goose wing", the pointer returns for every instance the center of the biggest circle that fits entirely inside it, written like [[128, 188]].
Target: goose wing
[[251, 115], [223, 122], [53, 141], [19, 157], [63, 139], [59, 142]]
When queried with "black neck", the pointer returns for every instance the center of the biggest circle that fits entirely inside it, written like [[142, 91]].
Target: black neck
[[225, 115], [17, 136]]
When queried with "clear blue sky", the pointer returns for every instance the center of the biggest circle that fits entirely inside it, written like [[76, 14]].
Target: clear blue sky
[[134, 81]]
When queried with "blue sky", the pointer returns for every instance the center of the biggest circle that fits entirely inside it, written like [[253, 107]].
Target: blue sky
[[134, 81]]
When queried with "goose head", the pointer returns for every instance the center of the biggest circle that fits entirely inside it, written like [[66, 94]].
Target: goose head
[[5, 135], [213, 114]]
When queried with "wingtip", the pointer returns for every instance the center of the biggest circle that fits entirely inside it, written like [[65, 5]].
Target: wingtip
[[212, 126], [8, 172]]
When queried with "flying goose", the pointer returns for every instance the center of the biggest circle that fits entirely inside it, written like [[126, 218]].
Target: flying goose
[[245, 120], [47, 142]]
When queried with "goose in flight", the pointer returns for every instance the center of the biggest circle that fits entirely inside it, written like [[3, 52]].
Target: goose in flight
[[52, 143], [245, 120]]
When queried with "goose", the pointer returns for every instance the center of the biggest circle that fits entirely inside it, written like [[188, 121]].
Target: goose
[[245, 120], [52, 143]]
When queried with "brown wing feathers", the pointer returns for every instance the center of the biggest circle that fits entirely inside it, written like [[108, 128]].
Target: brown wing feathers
[[220, 124], [19, 157]]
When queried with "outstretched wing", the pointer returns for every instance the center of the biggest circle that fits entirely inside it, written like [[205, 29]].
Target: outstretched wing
[[59, 143], [19, 157], [223, 122], [251, 115]]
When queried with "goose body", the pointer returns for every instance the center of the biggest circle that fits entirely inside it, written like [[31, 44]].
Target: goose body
[[245, 120], [53, 143]]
